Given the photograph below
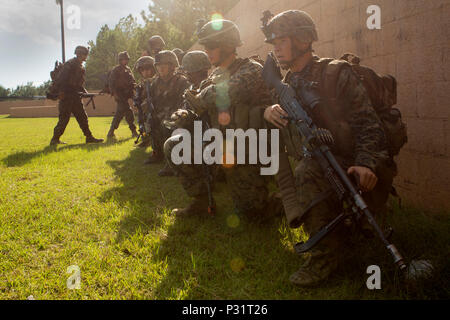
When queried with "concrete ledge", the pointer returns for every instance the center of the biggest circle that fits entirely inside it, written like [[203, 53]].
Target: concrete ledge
[[105, 106], [34, 112]]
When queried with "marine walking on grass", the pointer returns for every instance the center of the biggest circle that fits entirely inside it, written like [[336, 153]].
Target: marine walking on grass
[[67, 87], [121, 87]]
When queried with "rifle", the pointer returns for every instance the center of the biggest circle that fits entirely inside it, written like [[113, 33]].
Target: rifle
[[91, 97], [208, 175], [317, 146], [141, 120], [151, 109]]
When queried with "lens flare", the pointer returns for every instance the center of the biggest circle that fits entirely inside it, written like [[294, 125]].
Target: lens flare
[[224, 118], [217, 23], [233, 221], [237, 264]]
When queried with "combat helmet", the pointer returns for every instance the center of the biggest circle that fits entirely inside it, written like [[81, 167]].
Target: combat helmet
[[156, 42], [81, 50], [144, 62], [179, 53], [291, 23], [166, 56], [220, 32], [124, 56], [195, 61]]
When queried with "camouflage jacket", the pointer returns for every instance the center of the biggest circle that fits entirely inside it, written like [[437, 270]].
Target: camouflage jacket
[[140, 99], [239, 91], [71, 79], [167, 96], [121, 82], [357, 130]]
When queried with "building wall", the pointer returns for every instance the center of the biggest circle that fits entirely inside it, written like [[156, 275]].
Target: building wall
[[414, 46]]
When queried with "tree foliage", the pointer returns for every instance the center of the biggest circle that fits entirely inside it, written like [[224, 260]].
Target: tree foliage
[[174, 20], [28, 90]]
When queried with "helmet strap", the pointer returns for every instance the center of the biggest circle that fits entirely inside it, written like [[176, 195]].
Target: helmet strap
[[225, 53], [296, 52]]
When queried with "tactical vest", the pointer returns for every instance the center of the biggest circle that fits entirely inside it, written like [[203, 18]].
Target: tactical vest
[[381, 91], [243, 114], [167, 97]]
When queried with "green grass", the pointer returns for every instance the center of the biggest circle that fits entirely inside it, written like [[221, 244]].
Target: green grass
[[98, 207]]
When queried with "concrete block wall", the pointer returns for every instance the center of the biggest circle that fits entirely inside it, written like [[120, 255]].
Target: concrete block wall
[[414, 46]]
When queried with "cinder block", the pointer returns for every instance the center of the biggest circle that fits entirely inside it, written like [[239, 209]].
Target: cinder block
[[408, 36], [388, 42], [407, 99], [433, 99], [313, 9], [426, 136]]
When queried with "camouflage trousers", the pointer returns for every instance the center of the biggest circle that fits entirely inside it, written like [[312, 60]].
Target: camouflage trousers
[[123, 110], [158, 134], [320, 206], [247, 187], [67, 107]]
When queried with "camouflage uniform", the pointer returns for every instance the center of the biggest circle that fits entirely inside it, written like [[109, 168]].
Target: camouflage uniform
[[359, 141], [70, 83], [364, 146], [239, 90], [122, 84], [167, 97]]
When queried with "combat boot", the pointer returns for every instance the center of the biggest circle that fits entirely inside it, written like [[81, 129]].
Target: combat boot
[[55, 142], [199, 206], [134, 133], [318, 267], [155, 157], [145, 142], [167, 171], [91, 139]]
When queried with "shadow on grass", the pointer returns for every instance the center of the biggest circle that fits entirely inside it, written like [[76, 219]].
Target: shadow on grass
[[21, 158], [209, 258], [142, 192]]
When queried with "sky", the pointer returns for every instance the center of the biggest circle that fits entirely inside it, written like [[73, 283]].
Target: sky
[[30, 34]]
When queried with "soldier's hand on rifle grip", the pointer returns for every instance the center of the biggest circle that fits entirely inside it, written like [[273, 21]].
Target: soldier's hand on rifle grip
[[276, 116], [367, 180]]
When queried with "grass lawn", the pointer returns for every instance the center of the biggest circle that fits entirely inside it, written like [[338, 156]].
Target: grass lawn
[[97, 207]]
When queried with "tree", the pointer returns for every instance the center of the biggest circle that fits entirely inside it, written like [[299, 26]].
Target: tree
[[4, 92], [174, 20]]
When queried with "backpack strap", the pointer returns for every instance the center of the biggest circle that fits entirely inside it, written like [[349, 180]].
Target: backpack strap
[[332, 69]]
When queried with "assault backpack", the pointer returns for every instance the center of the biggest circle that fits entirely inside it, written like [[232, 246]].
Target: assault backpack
[[382, 91], [51, 93]]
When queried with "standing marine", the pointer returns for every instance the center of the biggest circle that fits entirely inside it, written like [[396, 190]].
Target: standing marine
[[166, 92], [360, 143], [121, 86], [156, 44], [68, 86], [142, 101]]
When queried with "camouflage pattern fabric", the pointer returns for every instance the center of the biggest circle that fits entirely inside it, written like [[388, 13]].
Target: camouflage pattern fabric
[[71, 79], [121, 82], [167, 97], [123, 109], [69, 83], [67, 107], [363, 144], [238, 90]]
